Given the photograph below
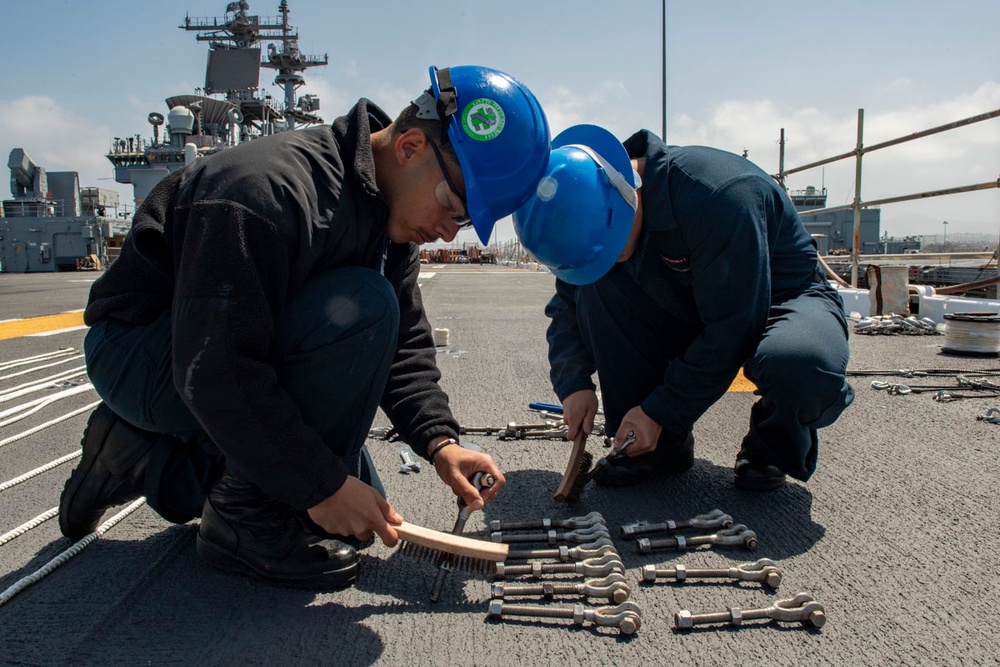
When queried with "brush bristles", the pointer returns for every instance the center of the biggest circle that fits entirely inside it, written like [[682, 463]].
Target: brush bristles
[[464, 563], [581, 478]]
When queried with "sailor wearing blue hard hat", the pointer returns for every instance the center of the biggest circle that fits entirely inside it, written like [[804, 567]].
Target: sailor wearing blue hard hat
[[264, 306], [677, 266]]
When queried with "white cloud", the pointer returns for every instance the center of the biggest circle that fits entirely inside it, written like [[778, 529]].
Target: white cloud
[[57, 139], [958, 157]]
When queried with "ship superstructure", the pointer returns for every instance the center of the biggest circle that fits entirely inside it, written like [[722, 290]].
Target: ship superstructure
[[52, 224], [230, 109]]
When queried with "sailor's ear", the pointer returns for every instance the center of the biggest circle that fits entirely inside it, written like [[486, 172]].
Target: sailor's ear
[[409, 144]]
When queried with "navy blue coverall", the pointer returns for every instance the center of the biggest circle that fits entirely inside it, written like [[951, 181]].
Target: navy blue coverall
[[724, 275]]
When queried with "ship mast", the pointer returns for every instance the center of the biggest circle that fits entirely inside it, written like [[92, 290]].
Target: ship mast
[[240, 31]]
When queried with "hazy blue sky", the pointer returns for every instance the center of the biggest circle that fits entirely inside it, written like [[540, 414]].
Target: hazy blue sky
[[79, 73]]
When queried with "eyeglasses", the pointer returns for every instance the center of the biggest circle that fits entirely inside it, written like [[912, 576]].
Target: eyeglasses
[[461, 216]]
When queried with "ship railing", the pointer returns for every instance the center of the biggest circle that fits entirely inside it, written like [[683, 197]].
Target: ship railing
[[857, 153]]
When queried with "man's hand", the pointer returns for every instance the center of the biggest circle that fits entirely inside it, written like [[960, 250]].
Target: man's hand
[[646, 431], [579, 410], [359, 510], [455, 465]]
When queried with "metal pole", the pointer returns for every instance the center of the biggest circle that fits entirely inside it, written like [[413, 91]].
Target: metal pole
[[857, 199], [663, 41], [781, 159]]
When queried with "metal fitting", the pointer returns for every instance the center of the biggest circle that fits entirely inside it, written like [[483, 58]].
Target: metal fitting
[[710, 521], [763, 570], [612, 587], [627, 617], [591, 567], [799, 609], [738, 535]]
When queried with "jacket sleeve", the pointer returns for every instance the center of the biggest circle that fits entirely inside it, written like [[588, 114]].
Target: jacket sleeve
[[726, 231], [413, 399], [571, 365], [231, 279]]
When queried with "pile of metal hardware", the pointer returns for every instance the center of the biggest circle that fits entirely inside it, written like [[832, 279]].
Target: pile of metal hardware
[[896, 324], [572, 558], [801, 608]]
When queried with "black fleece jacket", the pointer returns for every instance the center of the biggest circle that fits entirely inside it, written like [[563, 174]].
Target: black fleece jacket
[[222, 244]]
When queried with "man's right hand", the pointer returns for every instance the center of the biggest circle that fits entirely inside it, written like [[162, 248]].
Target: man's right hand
[[579, 411], [359, 510]]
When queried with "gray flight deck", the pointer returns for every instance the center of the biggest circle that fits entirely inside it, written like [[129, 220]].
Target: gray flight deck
[[896, 534]]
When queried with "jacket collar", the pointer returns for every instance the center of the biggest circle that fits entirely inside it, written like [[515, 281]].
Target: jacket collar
[[354, 134], [657, 215]]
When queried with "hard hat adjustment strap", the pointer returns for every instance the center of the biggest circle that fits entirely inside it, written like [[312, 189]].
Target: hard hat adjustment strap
[[443, 107], [614, 176]]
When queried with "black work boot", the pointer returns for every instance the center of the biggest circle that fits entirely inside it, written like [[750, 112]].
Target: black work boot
[[669, 457], [755, 472], [245, 531], [111, 471]]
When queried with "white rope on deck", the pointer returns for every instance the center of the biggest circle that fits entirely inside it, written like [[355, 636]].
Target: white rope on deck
[[36, 429], [38, 471], [61, 352], [25, 527], [18, 413], [37, 385], [38, 368], [49, 567]]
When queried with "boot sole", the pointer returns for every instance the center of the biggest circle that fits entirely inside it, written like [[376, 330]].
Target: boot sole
[[80, 473], [227, 562]]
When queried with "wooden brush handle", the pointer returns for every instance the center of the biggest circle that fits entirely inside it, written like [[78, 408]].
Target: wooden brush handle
[[572, 466], [452, 544]]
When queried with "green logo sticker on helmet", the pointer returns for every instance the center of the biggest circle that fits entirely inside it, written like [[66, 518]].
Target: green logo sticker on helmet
[[483, 119]]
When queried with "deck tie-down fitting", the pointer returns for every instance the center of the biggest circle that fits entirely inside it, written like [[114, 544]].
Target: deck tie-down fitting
[[627, 616], [594, 549], [799, 609], [410, 463], [710, 521], [613, 587], [585, 521], [591, 567], [581, 536], [735, 536], [992, 415], [763, 570]]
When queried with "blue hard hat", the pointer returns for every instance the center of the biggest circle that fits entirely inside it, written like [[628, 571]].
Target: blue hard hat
[[501, 137], [579, 218]]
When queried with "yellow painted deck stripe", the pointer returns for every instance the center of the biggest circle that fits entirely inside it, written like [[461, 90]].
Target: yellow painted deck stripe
[[741, 383], [33, 325]]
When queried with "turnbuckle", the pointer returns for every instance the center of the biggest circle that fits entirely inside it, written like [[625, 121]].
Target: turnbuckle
[[580, 536], [763, 570], [626, 616], [598, 547], [585, 521], [735, 536], [710, 521], [612, 587], [546, 429], [799, 609], [600, 566]]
